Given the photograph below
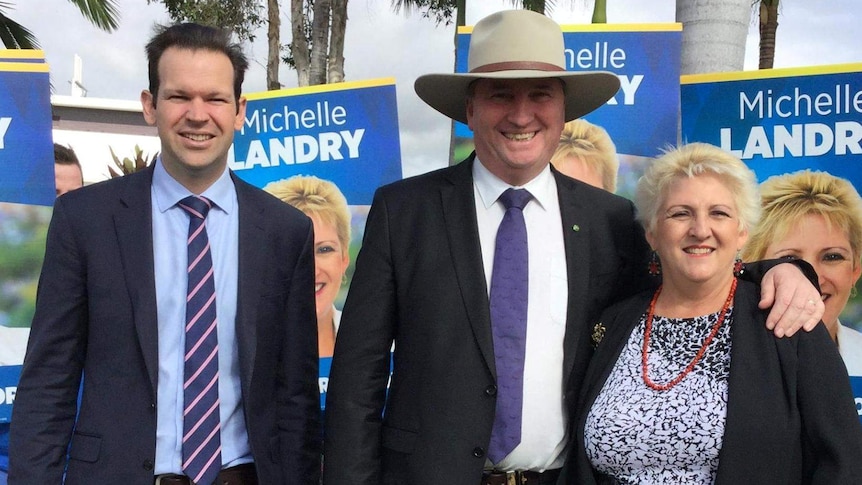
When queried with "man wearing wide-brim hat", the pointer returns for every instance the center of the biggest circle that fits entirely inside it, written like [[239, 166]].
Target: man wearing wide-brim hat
[[489, 352]]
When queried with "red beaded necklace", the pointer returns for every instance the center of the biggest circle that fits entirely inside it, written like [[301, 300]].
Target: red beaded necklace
[[690, 366]]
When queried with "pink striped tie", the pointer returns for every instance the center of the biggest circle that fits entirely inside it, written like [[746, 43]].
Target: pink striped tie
[[201, 424]]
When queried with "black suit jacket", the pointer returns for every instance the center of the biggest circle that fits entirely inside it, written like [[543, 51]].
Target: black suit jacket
[[790, 417], [96, 315], [419, 281]]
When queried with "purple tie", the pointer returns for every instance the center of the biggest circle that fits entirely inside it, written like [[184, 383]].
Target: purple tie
[[509, 322], [201, 424]]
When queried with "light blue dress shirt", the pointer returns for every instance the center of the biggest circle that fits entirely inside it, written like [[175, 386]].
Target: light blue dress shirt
[[170, 230]]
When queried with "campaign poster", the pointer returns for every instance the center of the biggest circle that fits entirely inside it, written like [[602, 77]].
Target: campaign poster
[[26, 194], [643, 116], [781, 121], [23, 231], [346, 133], [26, 150]]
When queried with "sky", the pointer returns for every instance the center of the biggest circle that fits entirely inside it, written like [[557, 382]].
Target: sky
[[380, 43]]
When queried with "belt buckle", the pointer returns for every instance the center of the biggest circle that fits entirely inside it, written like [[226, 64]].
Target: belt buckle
[[515, 478]]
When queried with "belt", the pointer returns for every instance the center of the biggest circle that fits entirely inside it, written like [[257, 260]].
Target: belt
[[244, 474], [494, 477]]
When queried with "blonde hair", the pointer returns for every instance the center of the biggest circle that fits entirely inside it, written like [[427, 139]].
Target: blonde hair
[[592, 145], [316, 197], [788, 198], [689, 161]]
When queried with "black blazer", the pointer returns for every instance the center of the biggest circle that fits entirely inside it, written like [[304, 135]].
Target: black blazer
[[790, 417], [96, 315], [420, 281]]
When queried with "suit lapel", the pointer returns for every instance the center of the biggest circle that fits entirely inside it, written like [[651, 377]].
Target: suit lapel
[[618, 332], [459, 213], [134, 225], [251, 266], [576, 236]]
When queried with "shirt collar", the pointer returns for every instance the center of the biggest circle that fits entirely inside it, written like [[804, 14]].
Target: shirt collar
[[167, 191], [490, 187]]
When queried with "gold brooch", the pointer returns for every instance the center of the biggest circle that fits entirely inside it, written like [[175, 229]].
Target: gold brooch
[[598, 334]]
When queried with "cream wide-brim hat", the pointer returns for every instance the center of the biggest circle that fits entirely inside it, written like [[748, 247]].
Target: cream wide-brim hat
[[517, 44]]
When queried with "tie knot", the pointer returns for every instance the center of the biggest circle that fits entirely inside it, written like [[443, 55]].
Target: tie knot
[[515, 198], [196, 205]]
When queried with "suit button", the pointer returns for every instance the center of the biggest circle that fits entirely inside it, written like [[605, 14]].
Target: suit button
[[491, 390], [479, 452], [148, 465]]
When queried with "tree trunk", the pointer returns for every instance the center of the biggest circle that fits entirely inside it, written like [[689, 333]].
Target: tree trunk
[[713, 34], [319, 42], [273, 58], [600, 12], [299, 45], [768, 28], [335, 66]]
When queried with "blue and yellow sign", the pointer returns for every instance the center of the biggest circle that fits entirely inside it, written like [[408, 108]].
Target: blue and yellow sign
[[346, 133], [780, 120], [26, 150]]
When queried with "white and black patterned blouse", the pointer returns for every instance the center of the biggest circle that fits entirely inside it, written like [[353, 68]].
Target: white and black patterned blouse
[[638, 435]]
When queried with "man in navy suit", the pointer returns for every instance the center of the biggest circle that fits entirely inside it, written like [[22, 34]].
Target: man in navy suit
[[425, 280], [112, 299]]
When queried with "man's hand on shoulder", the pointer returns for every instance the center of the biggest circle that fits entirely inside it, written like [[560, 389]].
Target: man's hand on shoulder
[[795, 302]]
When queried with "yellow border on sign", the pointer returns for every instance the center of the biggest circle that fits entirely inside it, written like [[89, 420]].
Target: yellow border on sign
[[770, 73], [322, 88], [22, 54], [656, 27], [23, 67]]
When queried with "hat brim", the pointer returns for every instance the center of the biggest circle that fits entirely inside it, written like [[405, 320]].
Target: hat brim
[[585, 90]]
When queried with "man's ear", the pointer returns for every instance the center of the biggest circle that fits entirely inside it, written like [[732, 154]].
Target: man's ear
[[240, 113], [148, 103]]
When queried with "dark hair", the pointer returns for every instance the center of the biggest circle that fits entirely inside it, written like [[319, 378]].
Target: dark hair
[[65, 156], [195, 37]]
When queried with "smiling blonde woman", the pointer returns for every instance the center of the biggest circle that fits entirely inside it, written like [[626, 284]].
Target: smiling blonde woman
[[327, 207], [817, 217]]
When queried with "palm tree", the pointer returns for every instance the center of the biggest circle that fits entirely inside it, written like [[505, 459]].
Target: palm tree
[[768, 26], [104, 14], [600, 8], [713, 34]]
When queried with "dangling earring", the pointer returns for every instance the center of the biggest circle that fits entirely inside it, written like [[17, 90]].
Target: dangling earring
[[738, 266], [654, 267]]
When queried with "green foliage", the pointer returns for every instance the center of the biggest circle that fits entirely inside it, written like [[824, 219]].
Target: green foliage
[[441, 11], [104, 14], [242, 17], [130, 165], [14, 35]]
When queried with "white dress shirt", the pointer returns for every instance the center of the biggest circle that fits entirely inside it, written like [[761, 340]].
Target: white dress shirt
[[544, 418]]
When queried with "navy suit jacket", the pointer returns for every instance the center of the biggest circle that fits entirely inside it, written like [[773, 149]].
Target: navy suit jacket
[[419, 280], [96, 316]]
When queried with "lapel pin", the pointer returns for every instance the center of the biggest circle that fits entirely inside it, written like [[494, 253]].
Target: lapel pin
[[598, 334], [576, 228]]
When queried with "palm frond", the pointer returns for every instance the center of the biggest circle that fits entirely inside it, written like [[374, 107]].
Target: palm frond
[[14, 35], [104, 14]]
